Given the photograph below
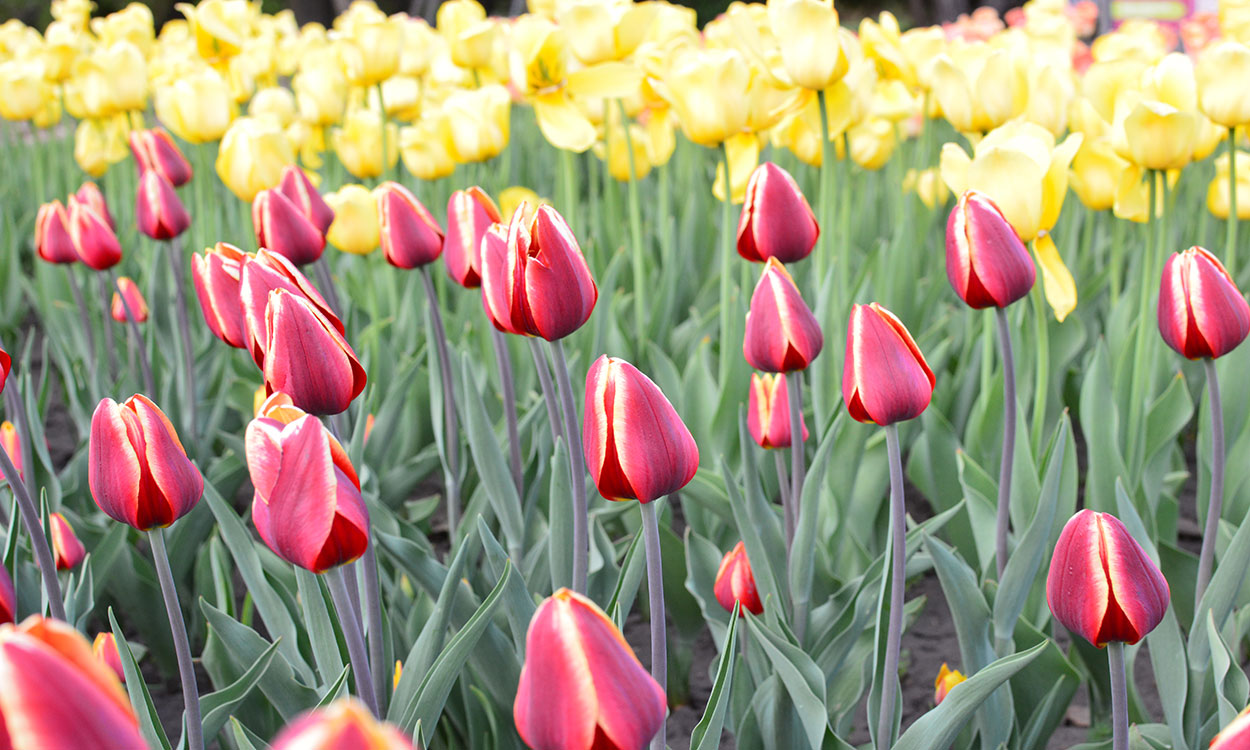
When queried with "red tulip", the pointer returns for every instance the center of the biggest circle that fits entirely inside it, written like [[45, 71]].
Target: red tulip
[[782, 335], [134, 298], [52, 240], [6, 363], [281, 227], [57, 695], [93, 238], [10, 444], [137, 468], [307, 358], [158, 212], [986, 262], [65, 543], [768, 411], [105, 649], [89, 193], [1235, 736], [155, 150], [776, 221], [306, 507], [885, 378], [279, 406], [410, 236], [8, 602], [262, 273], [735, 583], [1201, 311], [216, 276], [636, 446], [582, 687], [296, 186], [1102, 585], [537, 283], [469, 214], [343, 725]]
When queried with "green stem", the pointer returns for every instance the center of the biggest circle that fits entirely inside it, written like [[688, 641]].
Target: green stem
[[898, 550], [1041, 387], [182, 646], [1117, 258], [844, 215], [1119, 696], [382, 119], [1215, 502], [568, 188], [349, 618], [1137, 385], [635, 236], [1230, 254], [1007, 461], [726, 259], [826, 205], [655, 589]]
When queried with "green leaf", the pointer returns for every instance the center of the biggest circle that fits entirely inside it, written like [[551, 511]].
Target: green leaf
[[706, 734], [491, 465], [140, 699], [244, 647], [803, 550], [217, 706], [802, 679], [1231, 687], [245, 738], [560, 519], [519, 607], [317, 618]]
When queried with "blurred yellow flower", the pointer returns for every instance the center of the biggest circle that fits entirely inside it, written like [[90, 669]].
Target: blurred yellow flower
[[616, 152], [219, 26], [252, 154], [112, 79], [476, 123], [277, 102], [22, 89], [928, 186], [320, 92], [1057, 282], [979, 87], [511, 198], [359, 143], [705, 89], [98, 144], [601, 30], [423, 151], [807, 34], [1096, 171], [1217, 191], [371, 54], [196, 106], [872, 143], [1222, 71], [355, 229], [1156, 135], [743, 150], [133, 24], [469, 33]]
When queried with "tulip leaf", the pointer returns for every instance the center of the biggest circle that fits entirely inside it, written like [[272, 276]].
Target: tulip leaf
[[1231, 688], [244, 738], [243, 646], [628, 581], [707, 733], [140, 698], [1221, 594], [560, 518], [217, 706], [336, 689], [320, 624], [491, 465], [800, 676], [803, 549], [940, 726], [520, 606]]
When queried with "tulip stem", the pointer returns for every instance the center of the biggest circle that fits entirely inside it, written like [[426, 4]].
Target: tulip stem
[[898, 548], [826, 199], [184, 329], [327, 285], [452, 437], [106, 295], [38, 539], [83, 320], [1119, 696], [726, 257], [1148, 281], [655, 593], [1007, 461], [1117, 258], [577, 467], [503, 358], [337, 580], [635, 236], [148, 382], [794, 384], [783, 484], [373, 611], [1206, 559], [1042, 386], [182, 647], [1230, 255], [549, 391]]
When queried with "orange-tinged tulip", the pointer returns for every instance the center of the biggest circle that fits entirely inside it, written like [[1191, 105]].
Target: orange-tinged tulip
[[986, 262], [105, 649], [409, 235], [768, 411], [776, 221], [1201, 311], [885, 378], [782, 334], [1235, 736], [52, 239], [307, 358], [94, 241], [133, 298], [216, 275], [154, 149], [345, 724], [947, 678], [158, 212], [469, 214], [735, 583], [296, 186], [282, 227], [582, 687], [8, 600], [262, 273], [12, 446], [65, 543]]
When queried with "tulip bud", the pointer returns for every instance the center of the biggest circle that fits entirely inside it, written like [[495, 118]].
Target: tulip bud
[[1201, 311], [296, 186], [947, 678], [782, 334], [57, 695], [65, 543], [986, 262], [90, 194], [52, 240], [885, 378], [6, 363], [216, 276], [281, 227], [582, 687], [776, 221], [469, 214], [10, 444], [306, 507], [138, 470], [133, 299], [158, 212], [261, 274], [1102, 585], [409, 235], [1235, 736], [636, 446], [356, 229], [537, 283], [307, 358], [93, 239], [105, 649], [735, 583], [344, 724], [155, 150], [768, 411], [8, 600]]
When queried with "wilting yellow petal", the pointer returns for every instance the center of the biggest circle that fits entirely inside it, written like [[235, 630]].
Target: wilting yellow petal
[[1057, 281]]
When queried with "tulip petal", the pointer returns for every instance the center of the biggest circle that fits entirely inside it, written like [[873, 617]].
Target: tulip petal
[[560, 293], [1013, 180], [113, 471], [556, 673], [349, 533], [655, 449], [1076, 588], [301, 507], [177, 479], [885, 378], [1057, 281], [1219, 314], [562, 123], [606, 80], [1138, 590]]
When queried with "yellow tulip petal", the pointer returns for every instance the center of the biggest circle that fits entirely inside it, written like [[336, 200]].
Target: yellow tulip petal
[[609, 80], [1057, 281], [1055, 184], [743, 151], [562, 123], [1012, 180], [953, 166]]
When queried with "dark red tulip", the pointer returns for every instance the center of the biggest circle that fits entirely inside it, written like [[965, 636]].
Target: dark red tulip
[[262, 273], [65, 543], [8, 597], [776, 221], [469, 214], [307, 358], [93, 238], [768, 411], [296, 186], [885, 378], [735, 583], [345, 724], [986, 262], [410, 236], [582, 687], [133, 298], [154, 149], [283, 228], [1102, 585], [1201, 311], [158, 211], [217, 278], [307, 509], [52, 240], [635, 444], [537, 283], [138, 470], [90, 194], [782, 334]]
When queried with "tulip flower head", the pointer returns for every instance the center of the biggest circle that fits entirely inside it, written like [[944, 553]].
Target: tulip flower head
[[90, 194], [138, 470], [8, 597], [217, 285], [885, 378], [1236, 735], [782, 334], [469, 214], [42, 663], [307, 505], [947, 678], [356, 229], [261, 274], [52, 240], [296, 186], [65, 543], [133, 298], [735, 583], [986, 263], [409, 235], [6, 363], [10, 444], [282, 227], [635, 444], [1201, 311], [582, 687], [776, 221], [306, 357], [158, 211], [768, 411], [155, 150], [105, 649], [1102, 585], [346, 723], [93, 238]]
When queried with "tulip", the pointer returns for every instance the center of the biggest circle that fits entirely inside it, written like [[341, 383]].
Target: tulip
[[158, 212], [808, 30], [1234, 736], [1218, 69], [57, 695], [776, 221], [343, 724], [1159, 136], [94, 241], [782, 334], [768, 412], [8, 599], [581, 686], [1201, 311], [296, 186], [134, 300], [885, 378], [979, 87], [89, 193], [137, 469], [735, 583], [155, 150], [947, 678], [425, 155], [360, 141], [356, 228], [409, 235], [469, 214], [216, 275], [699, 86], [475, 124], [320, 92], [986, 263], [52, 238], [306, 357], [11, 445], [1096, 173], [65, 543], [1221, 189], [196, 105], [252, 156], [99, 144], [282, 227], [373, 54], [928, 186], [104, 647], [260, 275]]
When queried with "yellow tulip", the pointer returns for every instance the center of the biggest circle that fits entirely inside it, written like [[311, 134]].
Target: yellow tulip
[[511, 198], [355, 229], [401, 97], [133, 24], [872, 143], [358, 143], [49, 112], [601, 31], [921, 47], [744, 156], [616, 152], [308, 142], [1057, 282], [981, 88], [1217, 191], [418, 47], [807, 33], [196, 106], [883, 42], [423, 151], [475, 123], [893, 101], [539, 55], [62, 46], [1050, 93], [373, 50], [112, 79], [321, 93], [928, 186], [1155, 135], [98, 144], [22, 89], [469, 34], [76, 13], [1096, 171], [219, 26], [276, 102], [705, 89], [1135, 39], [252, 154], [1132, 197]]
